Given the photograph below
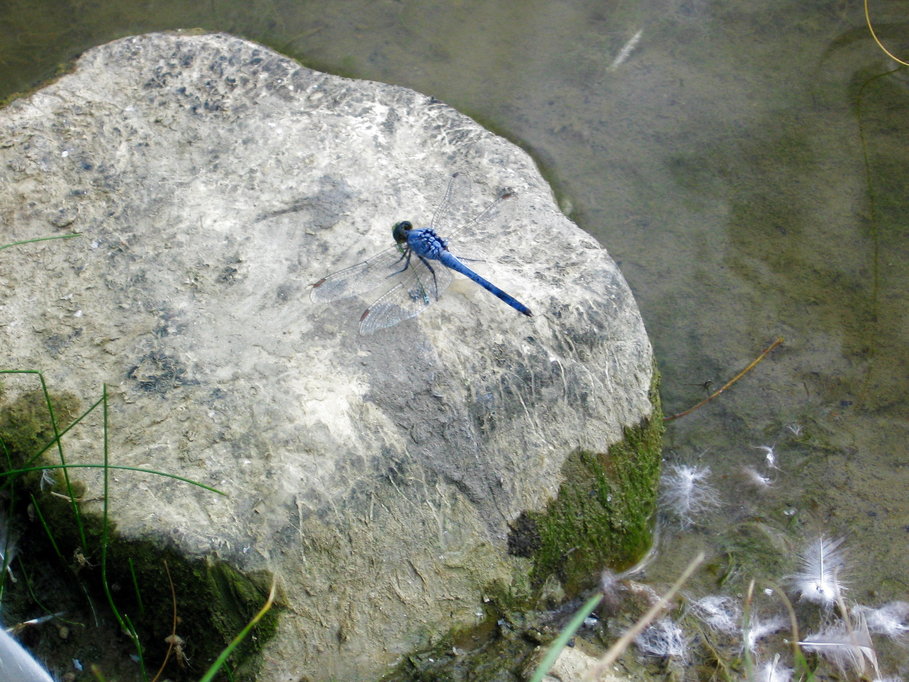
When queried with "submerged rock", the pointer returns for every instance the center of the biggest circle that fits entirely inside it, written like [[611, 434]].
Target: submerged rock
[[378, 477]]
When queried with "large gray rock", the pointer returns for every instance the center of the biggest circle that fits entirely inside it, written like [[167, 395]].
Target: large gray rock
[[213, 181]]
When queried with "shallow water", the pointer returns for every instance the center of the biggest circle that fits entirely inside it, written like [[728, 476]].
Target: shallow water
[[745, 164]]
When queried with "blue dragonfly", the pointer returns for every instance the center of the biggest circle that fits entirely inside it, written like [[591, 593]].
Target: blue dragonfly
[[411, 268]]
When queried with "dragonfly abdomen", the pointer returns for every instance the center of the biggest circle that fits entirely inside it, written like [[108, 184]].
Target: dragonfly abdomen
[[447, 259]]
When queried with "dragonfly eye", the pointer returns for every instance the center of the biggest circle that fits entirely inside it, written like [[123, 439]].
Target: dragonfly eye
[[399, 231]]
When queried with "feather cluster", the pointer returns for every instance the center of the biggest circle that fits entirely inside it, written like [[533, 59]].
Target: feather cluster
[[664, 639], [686, 493], [890, 620], [719, 612]]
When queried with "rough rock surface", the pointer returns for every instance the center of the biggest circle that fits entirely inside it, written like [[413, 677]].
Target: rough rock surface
[[212, 182]]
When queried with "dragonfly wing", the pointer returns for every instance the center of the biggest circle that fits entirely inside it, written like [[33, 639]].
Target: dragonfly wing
[[461, 213], [359, 278], [449, 214], [408, 298]]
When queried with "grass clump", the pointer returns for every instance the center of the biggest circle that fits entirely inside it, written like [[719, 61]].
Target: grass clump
[[178, 613]]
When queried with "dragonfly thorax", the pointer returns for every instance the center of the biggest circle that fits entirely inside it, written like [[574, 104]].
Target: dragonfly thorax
[[423, 241], [426, 243]]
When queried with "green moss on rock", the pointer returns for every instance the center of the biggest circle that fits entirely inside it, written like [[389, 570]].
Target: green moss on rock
[[603, 513], [213, 602], [26, 427], [602, 516]]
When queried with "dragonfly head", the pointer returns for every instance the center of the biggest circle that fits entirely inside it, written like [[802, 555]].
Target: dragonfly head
[[400, 231]]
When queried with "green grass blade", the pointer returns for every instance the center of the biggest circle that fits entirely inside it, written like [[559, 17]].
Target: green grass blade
[[63, 562], [55, 441], [132, 572], [40, 239], [57, 438], [53, 421], [567, 633], [235, 642], [123, 467], [47, 530], [133, 635]]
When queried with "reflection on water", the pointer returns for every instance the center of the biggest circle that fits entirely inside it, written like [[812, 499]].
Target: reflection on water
[[745, 163]]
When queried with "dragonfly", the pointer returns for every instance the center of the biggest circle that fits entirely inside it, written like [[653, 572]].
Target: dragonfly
[[416, 270]]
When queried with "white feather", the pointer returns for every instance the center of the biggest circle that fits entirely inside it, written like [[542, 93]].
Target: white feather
[[849, 648], [664, 639], [773, 671], [818, 580], [757, 479], [686, 493], [758, 629], [626, 50], [719, 612], [890, 620]]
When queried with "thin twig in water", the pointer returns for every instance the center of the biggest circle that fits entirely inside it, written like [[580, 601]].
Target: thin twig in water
[[877, 40], [617, 649], [173, 627], [729, 383]]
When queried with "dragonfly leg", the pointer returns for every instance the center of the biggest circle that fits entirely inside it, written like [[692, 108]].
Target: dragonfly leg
[[435, 282], [405, 256]]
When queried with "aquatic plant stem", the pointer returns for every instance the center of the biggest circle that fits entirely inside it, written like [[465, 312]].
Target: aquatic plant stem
[[729, 383], [173, 626]]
